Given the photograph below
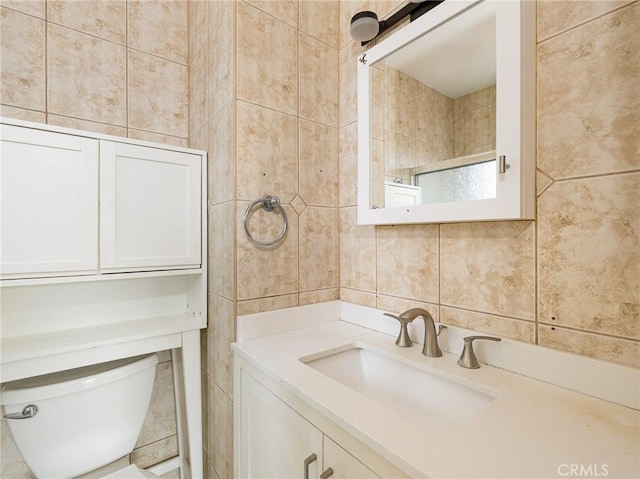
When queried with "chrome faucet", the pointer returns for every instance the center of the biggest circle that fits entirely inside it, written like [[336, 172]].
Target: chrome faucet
[[430, 346]]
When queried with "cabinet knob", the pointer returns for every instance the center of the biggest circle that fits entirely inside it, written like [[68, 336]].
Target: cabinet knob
[[307, 462]]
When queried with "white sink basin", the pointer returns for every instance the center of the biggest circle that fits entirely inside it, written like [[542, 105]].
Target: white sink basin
[[417, 394]]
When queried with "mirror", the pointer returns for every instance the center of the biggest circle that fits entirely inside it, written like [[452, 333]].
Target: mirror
[[429, 139]]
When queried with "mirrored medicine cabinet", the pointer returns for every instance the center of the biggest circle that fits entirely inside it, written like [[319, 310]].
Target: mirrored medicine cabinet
[[446, 117]]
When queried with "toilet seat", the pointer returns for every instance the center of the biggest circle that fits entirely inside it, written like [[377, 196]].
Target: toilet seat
[[131, 472]]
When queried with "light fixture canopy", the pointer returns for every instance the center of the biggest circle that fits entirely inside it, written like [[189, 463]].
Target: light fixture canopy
[[364, 26]]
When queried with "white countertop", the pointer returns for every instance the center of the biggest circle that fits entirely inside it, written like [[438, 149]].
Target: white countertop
[[532, 430]]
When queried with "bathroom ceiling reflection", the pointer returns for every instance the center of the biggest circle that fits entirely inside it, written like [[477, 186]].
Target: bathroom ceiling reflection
[[433, 115]]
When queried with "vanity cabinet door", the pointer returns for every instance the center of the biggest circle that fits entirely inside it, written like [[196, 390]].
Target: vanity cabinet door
[[344, 465], [275, 440], [149, 208], [49, 203]]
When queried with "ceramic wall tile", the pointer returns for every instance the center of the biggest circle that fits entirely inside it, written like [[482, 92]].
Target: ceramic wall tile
[[543, 182], [377, 173], [22, 114], [348, 76], [159, 28], [221, 157], [198, 91], [597, 114], [358, 297], [35, 8], [320, 19], [318, 256], [318, 99], [223, 437], [597, 346], [384, 8], [589, 255], [318, 164], [357, 250], [158, 451], [216, 11], [267, 304], [221, 333], [78, 124], [86, 77], [158, 138], [103, 18], [489, 267], [158, 95], [285, 10], [318, 296], [221, 59], [497, 325], [160, 421], [267, 153], [348, 160], [267, 60], [23, 62], [198, 25], [221, 249], [266, 272], [556, 16], [407, 261]]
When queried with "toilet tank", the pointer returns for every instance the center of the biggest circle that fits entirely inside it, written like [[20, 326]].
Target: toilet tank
[[86, 417]]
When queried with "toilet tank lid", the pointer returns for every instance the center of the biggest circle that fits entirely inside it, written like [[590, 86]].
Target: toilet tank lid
[[73, 380]]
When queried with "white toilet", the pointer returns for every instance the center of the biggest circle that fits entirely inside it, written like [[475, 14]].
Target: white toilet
[[83, 418]]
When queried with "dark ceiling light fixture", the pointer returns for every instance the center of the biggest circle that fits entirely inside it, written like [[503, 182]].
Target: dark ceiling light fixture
[[366, 27]]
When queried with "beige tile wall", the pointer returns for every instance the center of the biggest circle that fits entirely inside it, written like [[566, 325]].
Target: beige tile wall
[[265, 103], [571, 279], [110, 66]]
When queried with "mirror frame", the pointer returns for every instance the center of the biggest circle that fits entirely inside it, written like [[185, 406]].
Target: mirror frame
[[515, 119]]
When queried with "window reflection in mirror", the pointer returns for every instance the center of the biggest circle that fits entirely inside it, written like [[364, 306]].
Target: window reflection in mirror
[[433, 115]]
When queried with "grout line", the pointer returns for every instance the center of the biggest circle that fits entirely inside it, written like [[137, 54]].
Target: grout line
[[588, 331], [585, 22], [497, 315], [596, 175]]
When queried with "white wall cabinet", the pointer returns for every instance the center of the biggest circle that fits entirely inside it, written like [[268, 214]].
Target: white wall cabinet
[[149, 208], [49, 203], [275, 440], [76, 205], [68, 200]]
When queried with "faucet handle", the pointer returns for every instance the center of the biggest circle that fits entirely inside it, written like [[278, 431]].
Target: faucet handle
[[403, 337], [468, 358]]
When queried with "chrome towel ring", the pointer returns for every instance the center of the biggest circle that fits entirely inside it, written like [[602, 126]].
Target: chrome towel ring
[[268, 203]]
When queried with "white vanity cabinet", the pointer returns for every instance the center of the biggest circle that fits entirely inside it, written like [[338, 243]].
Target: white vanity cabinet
[[49, 203], [278, 435]]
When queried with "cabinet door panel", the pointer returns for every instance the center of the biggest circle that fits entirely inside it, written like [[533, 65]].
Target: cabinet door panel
[[344, 465], [149, 208], [275, 439], [49, 203]]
